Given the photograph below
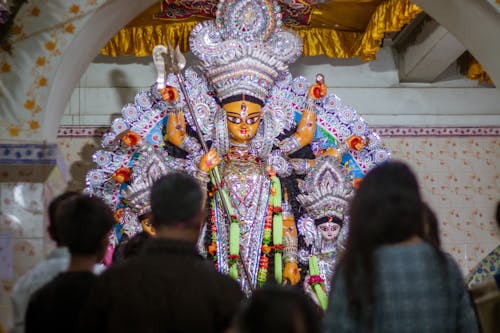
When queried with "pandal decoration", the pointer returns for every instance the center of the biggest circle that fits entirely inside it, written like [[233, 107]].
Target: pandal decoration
[[137, 142]]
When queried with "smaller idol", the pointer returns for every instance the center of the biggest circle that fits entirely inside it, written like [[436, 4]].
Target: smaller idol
[[326, 192]]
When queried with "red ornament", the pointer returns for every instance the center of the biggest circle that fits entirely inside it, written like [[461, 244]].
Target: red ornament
[[118, 214], [315, 279], [212, 249], [317, 92], [131, 138], [355, 142], [121, 175]]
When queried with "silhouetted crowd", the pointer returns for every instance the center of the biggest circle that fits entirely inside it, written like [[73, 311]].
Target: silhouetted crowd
[[393, 275]]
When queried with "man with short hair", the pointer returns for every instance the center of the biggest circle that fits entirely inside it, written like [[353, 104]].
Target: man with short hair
[[84, 223], [168, 287], [56, 262]]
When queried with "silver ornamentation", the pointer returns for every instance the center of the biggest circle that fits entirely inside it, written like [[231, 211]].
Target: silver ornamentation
[[190, 145], [290, 145], [221, 135], [327, 190], [244, 50], [249, 188], [300, 166], [279, 164]]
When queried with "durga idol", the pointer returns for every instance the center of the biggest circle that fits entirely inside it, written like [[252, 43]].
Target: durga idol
[[243, 52]]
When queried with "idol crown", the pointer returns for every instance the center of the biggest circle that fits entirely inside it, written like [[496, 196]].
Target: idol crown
[[245, 49], [327, 190]]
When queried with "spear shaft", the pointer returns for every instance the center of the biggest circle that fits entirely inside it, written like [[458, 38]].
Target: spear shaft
[[215, 175]]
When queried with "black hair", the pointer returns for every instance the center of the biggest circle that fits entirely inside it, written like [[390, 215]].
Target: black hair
[[53, 206], [84, 223], [241, 97], [135, 244], [431, 226], [331, 219], [176, 199], [497, 215], [386, 209], [277, 309], [129, 247]]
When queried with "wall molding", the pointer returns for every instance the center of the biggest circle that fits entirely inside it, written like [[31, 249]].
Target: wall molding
[[384, 131], [28, 153], [433, 131]]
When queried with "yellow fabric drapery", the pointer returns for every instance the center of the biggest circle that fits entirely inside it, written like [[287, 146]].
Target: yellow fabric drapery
[[140, 37], [477, 72]]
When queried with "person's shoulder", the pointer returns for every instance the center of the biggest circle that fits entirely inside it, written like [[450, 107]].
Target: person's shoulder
[[452, 264], [454, 271], [134, 265], [43, 292]]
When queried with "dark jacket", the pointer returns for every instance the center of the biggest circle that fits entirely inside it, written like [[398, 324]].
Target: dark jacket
[[56, 306], [166, 288]]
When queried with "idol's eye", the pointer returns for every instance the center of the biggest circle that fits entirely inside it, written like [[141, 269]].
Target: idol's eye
[[234, 120], [252, 120]]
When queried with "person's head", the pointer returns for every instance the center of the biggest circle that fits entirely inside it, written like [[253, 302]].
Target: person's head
[[279, 310], [85, 223], [386, 208], [431, 226], [243, 119], [53, 206], [177, 203]]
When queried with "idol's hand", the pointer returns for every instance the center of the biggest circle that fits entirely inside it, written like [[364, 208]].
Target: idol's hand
[[317, 90], [209, 161], [306, 128], [309, 290], [176, 129], [169, 93], [291, 273]]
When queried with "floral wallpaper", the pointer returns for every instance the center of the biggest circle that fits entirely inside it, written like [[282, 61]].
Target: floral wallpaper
[[41, 32], [460, 179]]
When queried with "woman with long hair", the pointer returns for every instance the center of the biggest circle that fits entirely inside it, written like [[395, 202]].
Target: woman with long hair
[[389, 279]]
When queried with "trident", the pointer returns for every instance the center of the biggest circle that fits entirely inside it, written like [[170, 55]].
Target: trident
[[168, 60]]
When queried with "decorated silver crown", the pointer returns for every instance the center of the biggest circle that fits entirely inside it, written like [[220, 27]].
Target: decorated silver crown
[[245, 49], [326, 190]]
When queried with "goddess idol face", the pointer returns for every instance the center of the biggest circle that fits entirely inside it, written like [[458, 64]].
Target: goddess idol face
[[243, 119], [329, 231]]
